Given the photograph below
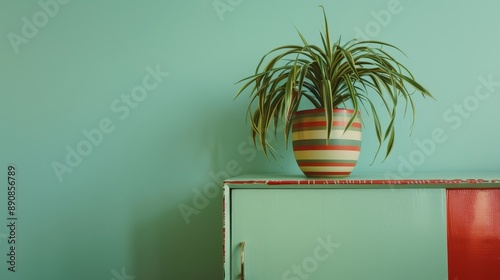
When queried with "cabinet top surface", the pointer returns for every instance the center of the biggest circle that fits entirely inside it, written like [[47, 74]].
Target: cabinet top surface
[[433, 180]]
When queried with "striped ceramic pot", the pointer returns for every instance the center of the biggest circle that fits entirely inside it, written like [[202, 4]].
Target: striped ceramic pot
[[318, 157]]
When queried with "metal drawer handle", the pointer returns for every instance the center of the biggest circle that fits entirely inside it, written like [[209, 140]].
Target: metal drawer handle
[[242, 255]]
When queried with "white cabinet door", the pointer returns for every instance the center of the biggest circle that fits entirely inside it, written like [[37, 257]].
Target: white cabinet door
[[341, 234]]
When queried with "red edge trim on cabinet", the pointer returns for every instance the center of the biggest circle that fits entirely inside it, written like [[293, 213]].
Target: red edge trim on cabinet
[[366, 182]]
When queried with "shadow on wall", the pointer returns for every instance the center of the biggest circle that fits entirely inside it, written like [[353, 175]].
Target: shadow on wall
[[165, 247], [184, 241], [232, 150]]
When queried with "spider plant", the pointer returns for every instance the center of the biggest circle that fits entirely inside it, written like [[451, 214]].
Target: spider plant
[[329, 76]]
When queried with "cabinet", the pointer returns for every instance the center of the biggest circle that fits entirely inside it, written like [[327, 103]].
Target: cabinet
[[296, 228]]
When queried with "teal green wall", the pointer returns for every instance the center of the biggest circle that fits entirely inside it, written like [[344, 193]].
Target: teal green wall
[[134, 204]]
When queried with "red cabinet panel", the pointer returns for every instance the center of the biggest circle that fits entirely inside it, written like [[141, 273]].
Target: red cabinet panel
[[473, 219]]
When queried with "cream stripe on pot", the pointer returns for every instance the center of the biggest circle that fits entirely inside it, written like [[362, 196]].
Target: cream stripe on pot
[[322, 155], [321, 134]]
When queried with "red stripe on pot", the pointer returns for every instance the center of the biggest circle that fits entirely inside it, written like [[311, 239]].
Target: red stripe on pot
[[318, 174], [320, 163], [321, 112], [323, 124]]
